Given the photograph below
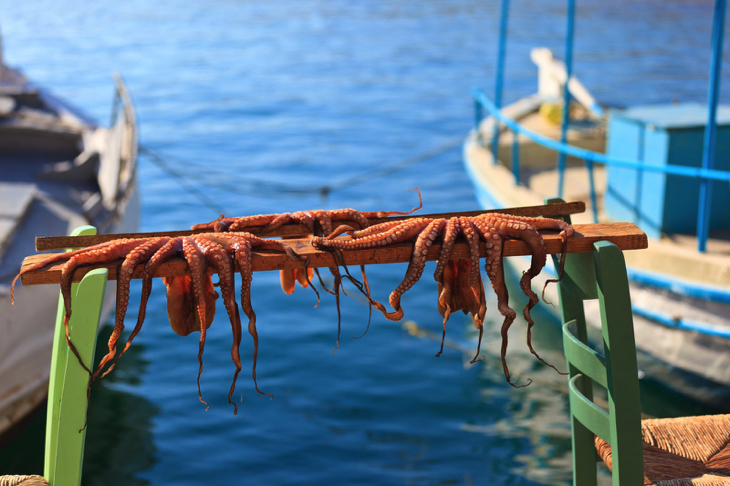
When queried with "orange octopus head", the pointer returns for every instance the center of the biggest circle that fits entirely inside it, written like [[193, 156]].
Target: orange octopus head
[[456, 293], [181, 305]]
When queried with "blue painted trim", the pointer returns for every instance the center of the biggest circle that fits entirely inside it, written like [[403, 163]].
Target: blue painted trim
[[708, 153], [596, 109], [485, 198], [499, 81], [680, 323], [680, 170], [679, 287], [570, 15], [592, 184], [516, 158]]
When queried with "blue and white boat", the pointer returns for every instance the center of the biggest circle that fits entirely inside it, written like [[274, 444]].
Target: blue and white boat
[[665, 168]]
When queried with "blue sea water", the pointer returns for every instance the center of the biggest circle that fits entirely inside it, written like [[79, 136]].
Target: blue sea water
[[307, 94]]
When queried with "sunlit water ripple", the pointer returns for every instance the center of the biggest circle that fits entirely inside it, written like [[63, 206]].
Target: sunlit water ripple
[[310, 93]]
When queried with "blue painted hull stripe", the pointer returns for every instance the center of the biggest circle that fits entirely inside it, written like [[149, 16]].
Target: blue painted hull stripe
[[681, 323], [695, 291], [641, 277]]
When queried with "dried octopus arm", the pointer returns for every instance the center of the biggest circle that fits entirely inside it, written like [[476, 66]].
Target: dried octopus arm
[[137, 256], [59, 257], [495, 271], [223, 224], [385, 214], [566, 230], [517, 228], [169, 249], [94, 254], [264, 244], [322, 225], [470, 232], [415, 267], [370, 230], [445, 288], [222, 262], [198, 266], [347, 214], [403, 231], [243, 257], [452, 231]]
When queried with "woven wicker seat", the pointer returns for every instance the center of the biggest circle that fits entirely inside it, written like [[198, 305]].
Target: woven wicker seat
[[683, 451], [23, 481]]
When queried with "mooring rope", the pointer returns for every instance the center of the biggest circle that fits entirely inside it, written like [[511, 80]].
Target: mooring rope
[[223, 180]]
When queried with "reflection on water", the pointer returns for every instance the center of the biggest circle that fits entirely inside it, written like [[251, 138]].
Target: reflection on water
[[309, 92], [120, 421]]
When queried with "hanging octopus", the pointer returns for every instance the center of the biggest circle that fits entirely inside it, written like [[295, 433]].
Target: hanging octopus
[[459, 281], [190, 298], [320, 223]]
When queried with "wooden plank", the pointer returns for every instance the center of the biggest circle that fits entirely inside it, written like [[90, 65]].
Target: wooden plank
[[626, 236], [45, 243]]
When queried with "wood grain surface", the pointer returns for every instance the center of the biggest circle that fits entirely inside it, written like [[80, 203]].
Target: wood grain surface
[[626, 236], [45, 243]]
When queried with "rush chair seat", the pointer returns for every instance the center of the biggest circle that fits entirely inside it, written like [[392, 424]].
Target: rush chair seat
[[686, 451], [696, 449]]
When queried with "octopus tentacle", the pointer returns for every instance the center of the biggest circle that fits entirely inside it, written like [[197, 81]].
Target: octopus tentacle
[[385, 214], [453, 229], [198, 266], [366, 286], [60, 257], [94, 254], [472, 238], [443, 303], [196, 290], [222, 261], [528, 234], [243, 257], [370, 230], [495, 271], [268, 221], [321, 224], [137, 256], [415, 268], [166, 251]]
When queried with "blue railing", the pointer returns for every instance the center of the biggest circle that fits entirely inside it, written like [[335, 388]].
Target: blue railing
[[706, 174], [590, 157]]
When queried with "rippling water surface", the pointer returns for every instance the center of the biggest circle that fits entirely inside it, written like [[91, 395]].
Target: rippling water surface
[[308, 94]]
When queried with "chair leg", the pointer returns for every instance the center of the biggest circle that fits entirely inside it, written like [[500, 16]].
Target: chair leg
[[584, 455]]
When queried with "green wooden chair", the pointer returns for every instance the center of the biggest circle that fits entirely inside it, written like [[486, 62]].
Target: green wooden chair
[[664, 452], [68, 382], [67, 404]]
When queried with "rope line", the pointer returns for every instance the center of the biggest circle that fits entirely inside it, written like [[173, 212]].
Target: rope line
[[237, 184]]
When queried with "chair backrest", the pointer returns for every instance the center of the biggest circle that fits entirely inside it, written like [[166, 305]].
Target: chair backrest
[[602, 275], [68, 383]]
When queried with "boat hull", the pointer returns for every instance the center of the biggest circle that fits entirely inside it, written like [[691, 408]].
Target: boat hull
[[53, 164], [684, 342]]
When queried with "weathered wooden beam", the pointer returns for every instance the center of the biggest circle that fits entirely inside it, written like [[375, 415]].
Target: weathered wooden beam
[[45, 243], [626, 236]]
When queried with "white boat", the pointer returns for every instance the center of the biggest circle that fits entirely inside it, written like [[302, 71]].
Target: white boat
[[58, 171], [680, 294]]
